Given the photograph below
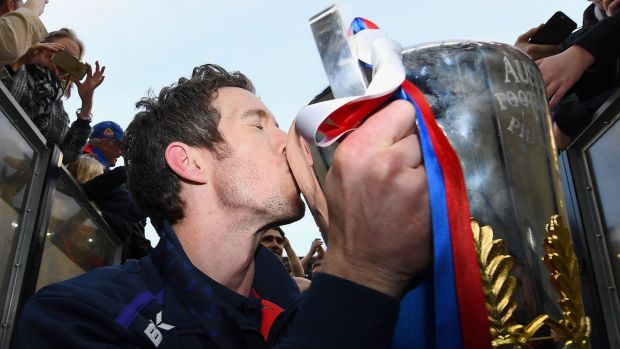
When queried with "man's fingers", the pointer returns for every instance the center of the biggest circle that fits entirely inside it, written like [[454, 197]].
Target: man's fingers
[[409, 148], [557, 97], [389, 125], [543, 50], [100, 82], [528, 34]]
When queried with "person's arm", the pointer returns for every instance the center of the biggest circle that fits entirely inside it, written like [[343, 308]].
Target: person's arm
[[98, 188], [600, 44], [21, 29], [75, 140], [293, 260], [603, 40], [315, 247], [379, 233], [83, 326], [86, 90]]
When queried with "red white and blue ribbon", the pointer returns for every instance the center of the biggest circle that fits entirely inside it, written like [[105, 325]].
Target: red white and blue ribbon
[[445, 309]]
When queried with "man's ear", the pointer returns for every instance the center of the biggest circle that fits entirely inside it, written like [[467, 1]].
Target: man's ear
[[186, 162]]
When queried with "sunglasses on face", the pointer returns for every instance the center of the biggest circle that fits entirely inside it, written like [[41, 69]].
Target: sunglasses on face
[[270, 238]]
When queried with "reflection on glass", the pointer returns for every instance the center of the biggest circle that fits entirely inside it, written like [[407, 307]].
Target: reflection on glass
[[16, 170], [74, 243], [603, 155]]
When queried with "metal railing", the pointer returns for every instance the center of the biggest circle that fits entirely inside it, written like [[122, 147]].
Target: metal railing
[[49, 231], [590, 167]]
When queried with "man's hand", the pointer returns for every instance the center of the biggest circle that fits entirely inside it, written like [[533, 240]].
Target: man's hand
[[535, 51], [320, 252], [379, 214], [36, 6], [562, 71], [286, 244], [315, 247]]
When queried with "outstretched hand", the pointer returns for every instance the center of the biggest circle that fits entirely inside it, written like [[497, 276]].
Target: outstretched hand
[[378, 203], [316, 247], [86, 88]]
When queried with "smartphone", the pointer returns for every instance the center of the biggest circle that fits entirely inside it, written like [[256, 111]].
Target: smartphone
[[557, 28], [70, 64]]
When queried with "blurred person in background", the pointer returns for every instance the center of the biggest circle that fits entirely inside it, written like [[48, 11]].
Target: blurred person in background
[[316, 247], [105, 143], [85, 168], [275, 240], [582, 72], [110, 194], [20, 27], [38, 84]]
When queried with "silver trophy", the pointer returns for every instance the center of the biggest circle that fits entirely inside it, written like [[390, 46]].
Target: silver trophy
[[489, 99]]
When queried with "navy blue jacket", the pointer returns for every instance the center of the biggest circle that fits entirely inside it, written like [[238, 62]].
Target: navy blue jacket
[[163, 301]]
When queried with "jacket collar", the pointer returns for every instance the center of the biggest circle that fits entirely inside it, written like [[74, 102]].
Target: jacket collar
[[221, 312], [98, 154]]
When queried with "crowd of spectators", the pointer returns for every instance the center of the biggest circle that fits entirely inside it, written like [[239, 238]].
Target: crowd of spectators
[[37, 69], [301, 269], [39, 84], [581, 72]]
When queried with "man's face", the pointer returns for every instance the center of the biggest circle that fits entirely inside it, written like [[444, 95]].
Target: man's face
[[111, 150], [253, 174], [273, 241]]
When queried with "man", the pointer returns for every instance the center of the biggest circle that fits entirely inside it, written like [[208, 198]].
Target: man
[[275, 240], [316, 247], [20, 27], [206, 160], [117, 206], [105, 143]]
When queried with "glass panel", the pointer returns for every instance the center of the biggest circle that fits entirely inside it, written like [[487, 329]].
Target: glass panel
[[16, 171], [605, 166], [75, 243]]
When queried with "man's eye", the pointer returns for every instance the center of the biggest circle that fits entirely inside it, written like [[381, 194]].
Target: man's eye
[[259, 126]]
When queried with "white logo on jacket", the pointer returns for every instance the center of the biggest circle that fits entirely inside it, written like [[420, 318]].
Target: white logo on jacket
[[153, 332]]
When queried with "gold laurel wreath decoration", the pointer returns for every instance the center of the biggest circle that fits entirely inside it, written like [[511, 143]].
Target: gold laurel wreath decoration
[[561, 261], [499, 287]]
